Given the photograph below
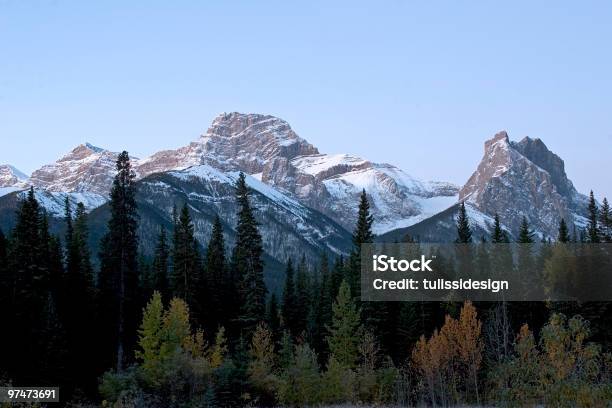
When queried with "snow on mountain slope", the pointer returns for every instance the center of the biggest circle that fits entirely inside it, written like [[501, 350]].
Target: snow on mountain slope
[[290, 228], [11, 177], [234, 141], [267, 148], [397, 200], [84, 169]]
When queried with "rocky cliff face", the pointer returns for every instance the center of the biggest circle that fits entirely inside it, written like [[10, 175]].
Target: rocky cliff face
[[234, 141], [86, 169], [267, 148], [516, 179], [11, 177]]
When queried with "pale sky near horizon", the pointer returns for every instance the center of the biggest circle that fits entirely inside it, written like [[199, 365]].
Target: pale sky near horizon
[[417, 84]]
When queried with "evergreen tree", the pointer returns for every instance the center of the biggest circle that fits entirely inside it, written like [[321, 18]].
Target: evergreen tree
[[218, 283], [343, 338], [563, 235], [32, 274], [118, 278], [336, 277], [76, 301], [272, 317], [593, 226], [5, 285], [186, 262], [525, 233], [362, 235], [499, 235], [81, 237], [302, 297], [160, 265], [605, 220], [289, 308], [247, 262], [464, 232]]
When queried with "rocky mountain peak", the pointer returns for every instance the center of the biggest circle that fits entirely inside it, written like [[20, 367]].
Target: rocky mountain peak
[[537, 152], [11, 177], [516, 179], [86, 168]]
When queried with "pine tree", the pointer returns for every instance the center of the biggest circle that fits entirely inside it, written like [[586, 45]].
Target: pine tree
[[499, 235], [343, 338], [219, 285], [160, 265], [464, 232], [118, 278], [563, 235], [185, 261], [593, 226], [247, 262]]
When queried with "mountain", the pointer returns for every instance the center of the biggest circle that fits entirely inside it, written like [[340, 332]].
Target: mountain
[[289, 228], [267, 148], [513, 179], [86, 169], [234, 142], [516, 179], [11, 179]]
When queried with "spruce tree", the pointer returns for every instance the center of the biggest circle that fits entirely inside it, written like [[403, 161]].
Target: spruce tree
[[288, 307], [563, 235], [362, 235], [526, 235], [343, 338], [218, 283], [302, 297], [499, 235], [273, 317], [118, 278], [593, 226], [247, 262], [77, 299], [161, 265], [34, 266], [185, 262], [464, 232]]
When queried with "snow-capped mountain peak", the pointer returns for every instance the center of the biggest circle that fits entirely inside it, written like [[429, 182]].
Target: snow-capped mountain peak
[[11, 179], [267, 148], [86, 168], [10, 176]]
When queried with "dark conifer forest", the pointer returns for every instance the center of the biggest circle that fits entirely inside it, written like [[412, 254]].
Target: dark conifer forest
[[194, 325]]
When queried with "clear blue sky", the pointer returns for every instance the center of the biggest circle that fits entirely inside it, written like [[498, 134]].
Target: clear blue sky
[[420, 84]]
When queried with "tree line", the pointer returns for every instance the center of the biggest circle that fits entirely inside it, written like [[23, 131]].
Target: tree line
[[199, 328]]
